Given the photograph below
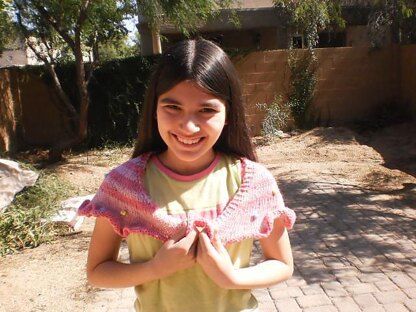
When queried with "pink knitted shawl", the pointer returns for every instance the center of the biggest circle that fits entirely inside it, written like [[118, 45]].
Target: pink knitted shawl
[[250, 213]]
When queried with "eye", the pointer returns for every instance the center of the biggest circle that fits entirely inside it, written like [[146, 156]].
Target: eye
[[208, 110], [172, 107]]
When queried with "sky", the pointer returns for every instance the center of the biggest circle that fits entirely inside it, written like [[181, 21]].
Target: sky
[[131, 26]]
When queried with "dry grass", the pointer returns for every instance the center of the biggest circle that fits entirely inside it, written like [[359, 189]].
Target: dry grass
[[24, 223]]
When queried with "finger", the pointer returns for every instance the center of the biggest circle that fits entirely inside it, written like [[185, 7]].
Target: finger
[[175, 237], [193, 250], [205, 243], [179, 234], [189, 238], [216, 241], [201, 248]]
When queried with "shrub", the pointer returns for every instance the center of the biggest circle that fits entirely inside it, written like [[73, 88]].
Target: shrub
[[302, 83], [276, 118], [116, 93]]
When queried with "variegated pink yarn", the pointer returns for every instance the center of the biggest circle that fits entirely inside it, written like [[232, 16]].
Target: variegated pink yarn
[[250, 213]]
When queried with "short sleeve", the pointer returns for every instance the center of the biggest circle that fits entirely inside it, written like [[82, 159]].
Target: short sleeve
[[106, 203]]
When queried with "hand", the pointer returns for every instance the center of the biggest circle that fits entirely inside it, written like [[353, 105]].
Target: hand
[[176, 254], [215, 260]]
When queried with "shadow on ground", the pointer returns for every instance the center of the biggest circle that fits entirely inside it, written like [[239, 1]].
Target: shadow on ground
[[342, 230], [396, 144]]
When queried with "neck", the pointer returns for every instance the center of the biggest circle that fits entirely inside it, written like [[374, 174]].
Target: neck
[[186, 167]]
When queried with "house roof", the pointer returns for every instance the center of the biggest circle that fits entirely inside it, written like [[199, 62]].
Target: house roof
[[253, 4], [257, 4], [261, 13], [350, 3]]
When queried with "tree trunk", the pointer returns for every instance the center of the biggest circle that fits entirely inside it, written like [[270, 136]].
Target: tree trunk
[[55, 153], [82, 91], [68, 106]]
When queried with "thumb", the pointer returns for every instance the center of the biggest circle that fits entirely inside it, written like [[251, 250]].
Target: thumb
[[189, 238]]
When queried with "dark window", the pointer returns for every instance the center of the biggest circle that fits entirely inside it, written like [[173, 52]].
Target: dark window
[[297, 42], [331, 39]]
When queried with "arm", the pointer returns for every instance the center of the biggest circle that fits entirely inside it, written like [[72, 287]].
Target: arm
[[277, 266], [103, 269]]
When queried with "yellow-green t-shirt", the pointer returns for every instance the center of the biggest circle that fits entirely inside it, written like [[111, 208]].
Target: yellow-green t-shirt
[[204, 194]]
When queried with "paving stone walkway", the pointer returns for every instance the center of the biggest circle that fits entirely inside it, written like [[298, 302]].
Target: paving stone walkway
[[354, 250]]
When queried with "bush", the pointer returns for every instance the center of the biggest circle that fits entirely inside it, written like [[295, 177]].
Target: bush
[[276, 118], [116, 92], [302, 83]]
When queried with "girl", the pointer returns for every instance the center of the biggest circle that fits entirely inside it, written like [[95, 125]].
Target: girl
[[192, 199]]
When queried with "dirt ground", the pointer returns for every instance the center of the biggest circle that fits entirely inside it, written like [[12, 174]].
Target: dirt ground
[[52, 276]]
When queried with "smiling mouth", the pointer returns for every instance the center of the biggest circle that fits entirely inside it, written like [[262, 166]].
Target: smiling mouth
[[188, 141]]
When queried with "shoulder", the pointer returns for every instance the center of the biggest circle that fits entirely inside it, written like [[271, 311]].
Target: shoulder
[[130, 170], [258, 170], [131, 166]]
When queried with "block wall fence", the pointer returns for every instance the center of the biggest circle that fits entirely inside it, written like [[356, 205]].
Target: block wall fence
[[353, 82]]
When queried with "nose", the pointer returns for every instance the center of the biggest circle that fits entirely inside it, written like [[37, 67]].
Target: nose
[[190, 124]]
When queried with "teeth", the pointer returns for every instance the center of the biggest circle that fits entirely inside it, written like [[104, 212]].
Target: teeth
[[188, 141]]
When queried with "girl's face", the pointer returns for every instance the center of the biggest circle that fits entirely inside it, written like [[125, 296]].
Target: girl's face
[[190, 121]]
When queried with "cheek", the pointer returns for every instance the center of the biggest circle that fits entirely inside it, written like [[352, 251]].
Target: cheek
[[160, 121], [162, 117], [217, 123]]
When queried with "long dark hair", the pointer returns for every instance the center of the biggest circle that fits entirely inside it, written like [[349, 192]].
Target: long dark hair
[[207, 65]]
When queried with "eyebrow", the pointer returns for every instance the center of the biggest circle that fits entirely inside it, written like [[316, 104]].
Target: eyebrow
[[169, 100]]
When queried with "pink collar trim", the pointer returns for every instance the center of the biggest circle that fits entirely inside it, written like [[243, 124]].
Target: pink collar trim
[[186, 178]]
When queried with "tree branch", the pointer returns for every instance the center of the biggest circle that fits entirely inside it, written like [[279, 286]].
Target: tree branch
[[83, 14], [26, 33], [49, 49], [56, 26]]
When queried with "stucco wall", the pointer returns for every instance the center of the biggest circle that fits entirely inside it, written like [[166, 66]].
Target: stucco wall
[[408, 77], [13, 58], [29, 111], [352, 82]]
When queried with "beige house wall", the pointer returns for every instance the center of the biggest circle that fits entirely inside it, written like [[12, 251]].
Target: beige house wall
[[357, 36], [250, 39], [352, 83], [13, 58]]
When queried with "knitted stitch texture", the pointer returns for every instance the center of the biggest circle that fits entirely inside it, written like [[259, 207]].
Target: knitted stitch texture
[[250, 213]]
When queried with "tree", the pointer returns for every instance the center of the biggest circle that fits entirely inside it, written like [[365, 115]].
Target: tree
[[54, 28], [116, 49], [6, 25], [310, 16], [183, 14], [390, 15]]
